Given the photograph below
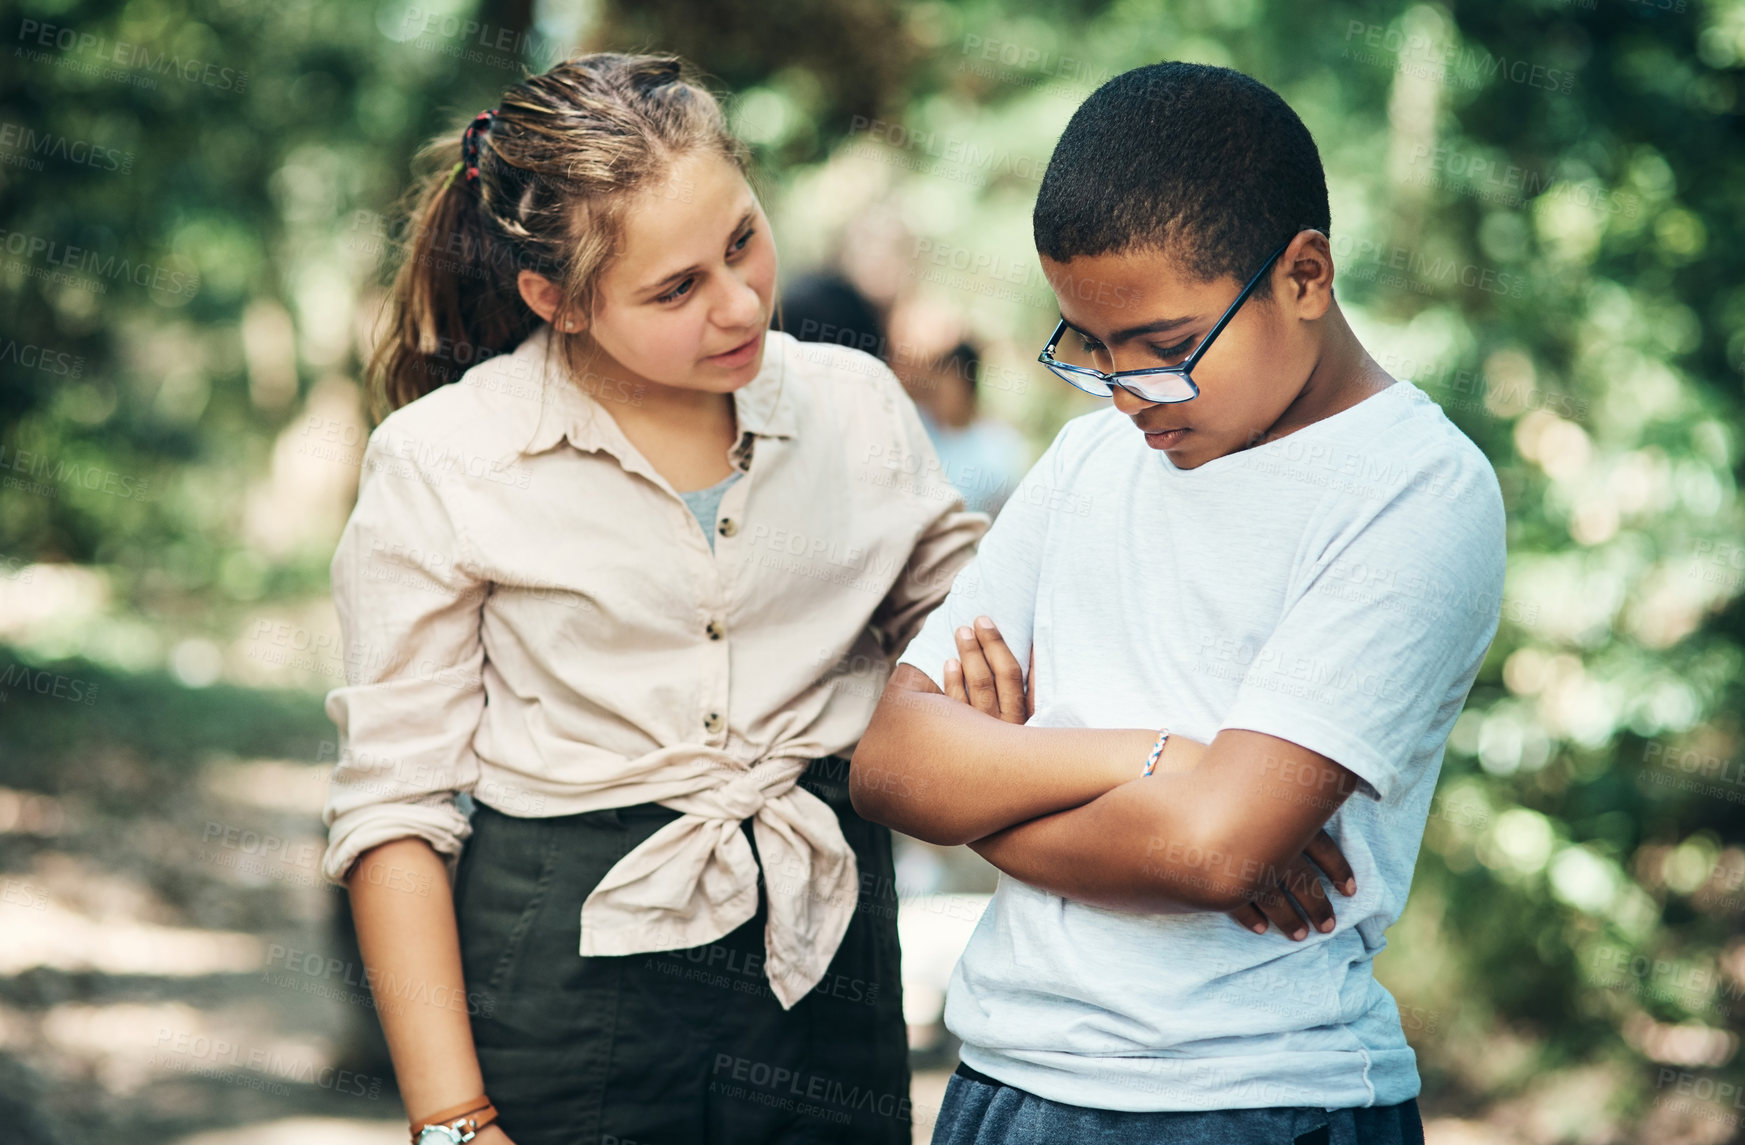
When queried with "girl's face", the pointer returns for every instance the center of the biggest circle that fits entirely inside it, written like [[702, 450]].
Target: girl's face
[[688, 302]]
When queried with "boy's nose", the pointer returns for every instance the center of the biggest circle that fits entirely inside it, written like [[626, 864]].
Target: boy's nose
[[1129, 402]]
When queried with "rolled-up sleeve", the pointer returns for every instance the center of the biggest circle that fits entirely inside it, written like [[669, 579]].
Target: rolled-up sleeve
[[944, 548], [1003, 579], [409, 617]]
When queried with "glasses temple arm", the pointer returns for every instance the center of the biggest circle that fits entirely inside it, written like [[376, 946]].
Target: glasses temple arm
[[1194, 358]]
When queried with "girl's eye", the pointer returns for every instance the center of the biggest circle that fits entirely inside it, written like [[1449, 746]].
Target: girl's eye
[[1090, 346], [684, 287]]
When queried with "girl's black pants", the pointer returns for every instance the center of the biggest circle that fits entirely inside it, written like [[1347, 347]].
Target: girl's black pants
[[679, 1047]]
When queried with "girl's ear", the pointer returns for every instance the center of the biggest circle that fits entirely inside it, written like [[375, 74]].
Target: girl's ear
[[544, 298]]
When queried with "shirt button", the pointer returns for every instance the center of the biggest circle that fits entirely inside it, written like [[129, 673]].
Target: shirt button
[[728, 526], [715, 630], [713, 723]]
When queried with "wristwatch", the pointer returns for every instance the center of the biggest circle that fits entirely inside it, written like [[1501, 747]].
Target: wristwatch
[[455, 1125]]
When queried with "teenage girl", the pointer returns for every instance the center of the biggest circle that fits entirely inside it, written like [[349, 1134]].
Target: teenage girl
[[626, 576]]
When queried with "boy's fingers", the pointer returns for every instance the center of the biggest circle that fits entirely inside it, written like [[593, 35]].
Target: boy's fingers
[[1246, 915], [954, 681], [1277, 906], [978, 680], [1030, 684], [1008, 677], [1326, 855], [1304, 884]]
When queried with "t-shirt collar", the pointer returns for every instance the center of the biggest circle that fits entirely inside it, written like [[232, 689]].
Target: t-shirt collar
[[1377, 405]]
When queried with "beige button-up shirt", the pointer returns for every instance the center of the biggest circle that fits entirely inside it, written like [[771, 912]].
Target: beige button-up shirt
[[531, 614]]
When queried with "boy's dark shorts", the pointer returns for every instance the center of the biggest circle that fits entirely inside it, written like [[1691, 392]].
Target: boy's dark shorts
[[680, 1046], [979, 1110]]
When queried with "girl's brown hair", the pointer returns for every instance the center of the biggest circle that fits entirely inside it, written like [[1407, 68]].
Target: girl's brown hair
[[561, 156]]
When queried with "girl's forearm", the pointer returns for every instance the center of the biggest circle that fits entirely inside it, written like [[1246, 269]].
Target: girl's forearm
[[403, 904]]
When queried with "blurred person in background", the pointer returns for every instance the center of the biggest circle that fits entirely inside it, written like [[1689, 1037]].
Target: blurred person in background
[[984, 457], [823, 306]]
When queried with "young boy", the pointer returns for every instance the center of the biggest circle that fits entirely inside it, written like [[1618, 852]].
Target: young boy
[[1267, 546]]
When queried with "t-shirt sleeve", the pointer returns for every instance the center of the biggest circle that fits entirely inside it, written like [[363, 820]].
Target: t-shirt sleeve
[[1375, 653], [1000, 581]]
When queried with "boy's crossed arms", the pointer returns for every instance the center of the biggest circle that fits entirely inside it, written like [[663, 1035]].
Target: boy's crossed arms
[[1217, 827]]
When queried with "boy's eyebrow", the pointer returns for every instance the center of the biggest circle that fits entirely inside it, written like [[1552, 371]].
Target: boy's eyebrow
[[1161, 326], [693, 268]]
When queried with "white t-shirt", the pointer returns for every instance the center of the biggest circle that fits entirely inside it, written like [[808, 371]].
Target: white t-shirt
[[1338, 588]]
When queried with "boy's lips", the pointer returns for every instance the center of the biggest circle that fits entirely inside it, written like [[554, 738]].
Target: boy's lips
[[1164, 438]]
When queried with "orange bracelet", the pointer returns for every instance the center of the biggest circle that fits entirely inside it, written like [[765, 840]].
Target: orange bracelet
[[454, 1115]]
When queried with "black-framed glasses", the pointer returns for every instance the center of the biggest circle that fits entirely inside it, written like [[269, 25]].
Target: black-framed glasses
[[1173, 383]]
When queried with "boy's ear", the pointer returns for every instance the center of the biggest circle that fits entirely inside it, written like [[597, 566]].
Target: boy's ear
[[1304, 277]]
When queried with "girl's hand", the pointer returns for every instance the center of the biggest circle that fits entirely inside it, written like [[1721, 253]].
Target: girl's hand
[[986, 677]]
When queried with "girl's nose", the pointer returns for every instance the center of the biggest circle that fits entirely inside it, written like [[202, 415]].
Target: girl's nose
[[741, 307]]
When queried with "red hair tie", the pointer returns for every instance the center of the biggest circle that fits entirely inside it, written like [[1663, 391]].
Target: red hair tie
[[469, 142]]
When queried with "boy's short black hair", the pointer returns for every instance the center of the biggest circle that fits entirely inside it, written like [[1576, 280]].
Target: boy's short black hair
[[1204, 163]]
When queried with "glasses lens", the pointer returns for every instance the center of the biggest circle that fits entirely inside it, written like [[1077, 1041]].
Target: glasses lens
[[1161, 387], [1089, 383], [1071, 351]]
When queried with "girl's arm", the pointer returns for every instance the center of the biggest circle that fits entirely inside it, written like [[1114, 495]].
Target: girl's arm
[[410, 615], [945, 546], [411, 947]]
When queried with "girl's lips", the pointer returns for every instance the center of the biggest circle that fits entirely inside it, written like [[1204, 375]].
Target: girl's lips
[[740, 354], [1166, 438]]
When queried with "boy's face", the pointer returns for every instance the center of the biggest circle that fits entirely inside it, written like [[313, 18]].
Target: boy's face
[[1139, 309]]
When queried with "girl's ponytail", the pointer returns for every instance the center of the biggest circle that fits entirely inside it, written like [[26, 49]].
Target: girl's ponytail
[[537, 184]]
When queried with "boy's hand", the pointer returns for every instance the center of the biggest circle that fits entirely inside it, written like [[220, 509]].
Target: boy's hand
[[1304, 884], [986, 677]]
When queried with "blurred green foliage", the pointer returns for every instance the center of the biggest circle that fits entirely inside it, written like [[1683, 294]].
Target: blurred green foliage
[[1534, 205], [137, 734]]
